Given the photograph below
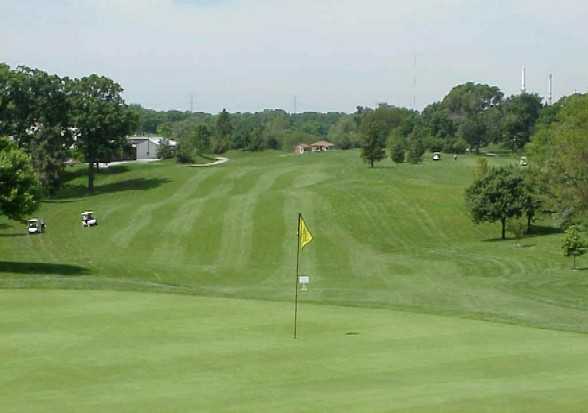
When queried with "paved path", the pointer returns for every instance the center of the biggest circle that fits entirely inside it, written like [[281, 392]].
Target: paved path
[[219, 161]]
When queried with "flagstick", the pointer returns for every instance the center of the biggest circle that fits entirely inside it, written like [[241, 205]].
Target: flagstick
[[297, 265]]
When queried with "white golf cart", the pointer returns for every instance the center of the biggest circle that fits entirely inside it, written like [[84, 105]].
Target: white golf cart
[[88, 219], [436, 156], [35, 226], [523, 161]]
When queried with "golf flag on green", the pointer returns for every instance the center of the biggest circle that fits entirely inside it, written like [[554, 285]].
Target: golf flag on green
[[304, 235]]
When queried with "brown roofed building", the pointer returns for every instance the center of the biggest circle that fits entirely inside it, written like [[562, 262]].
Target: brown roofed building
[[322, 146]]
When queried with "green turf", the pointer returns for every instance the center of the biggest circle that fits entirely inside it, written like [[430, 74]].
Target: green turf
[[396, 236], [73, 351], [391, 238]]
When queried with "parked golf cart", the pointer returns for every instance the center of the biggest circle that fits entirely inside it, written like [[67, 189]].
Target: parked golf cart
[[35, 226], [88, 219], [523, 161], [436, 156]]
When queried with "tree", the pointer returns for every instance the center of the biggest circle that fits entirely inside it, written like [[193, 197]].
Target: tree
[[373, 145], [19, 186], [344, 133], [519, 114], [416, 150], [101, 118], [471, 98], [498, 196], [38, 117], [397, 147], [473, 131], [224, 129], [559, 146], [573, 245]]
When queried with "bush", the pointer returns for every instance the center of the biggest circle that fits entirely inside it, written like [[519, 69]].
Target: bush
[[457, 146], [416, 150], [165, 151], [435, 144]]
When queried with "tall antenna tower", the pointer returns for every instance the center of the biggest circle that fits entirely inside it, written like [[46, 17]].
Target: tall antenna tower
[[523, 79], [414, 82], [550, 92]]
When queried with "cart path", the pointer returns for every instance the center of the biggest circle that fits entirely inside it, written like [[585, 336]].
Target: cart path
[[219, 161]]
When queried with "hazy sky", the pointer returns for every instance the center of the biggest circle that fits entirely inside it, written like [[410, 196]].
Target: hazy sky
[[247, 55]]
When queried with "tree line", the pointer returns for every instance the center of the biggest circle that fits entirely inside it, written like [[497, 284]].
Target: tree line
[[52, 119], [471, 116]]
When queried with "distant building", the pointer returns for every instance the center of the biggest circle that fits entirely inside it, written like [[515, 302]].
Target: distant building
[[147, 147], [320, 146]]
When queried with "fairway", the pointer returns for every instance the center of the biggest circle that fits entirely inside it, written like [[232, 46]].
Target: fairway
[[120, 351], [410, 308], [396, 236]]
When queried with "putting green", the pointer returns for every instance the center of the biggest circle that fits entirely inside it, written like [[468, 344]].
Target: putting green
[[72, 351]]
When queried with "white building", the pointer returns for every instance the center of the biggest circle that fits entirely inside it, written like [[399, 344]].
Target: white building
[[147, 147]]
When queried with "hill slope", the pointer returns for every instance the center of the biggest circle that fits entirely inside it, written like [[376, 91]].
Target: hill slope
[[395, 236]]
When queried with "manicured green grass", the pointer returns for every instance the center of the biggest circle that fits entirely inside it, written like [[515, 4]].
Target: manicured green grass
[[396, 236], [74, 351], [390, 243]]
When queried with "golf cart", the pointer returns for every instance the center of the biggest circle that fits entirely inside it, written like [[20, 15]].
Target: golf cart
[[523, 161], [88, 219], [436, 156], [35, 226]]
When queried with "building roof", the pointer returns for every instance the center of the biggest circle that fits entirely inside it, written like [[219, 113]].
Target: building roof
[[156, 140], [323, 143], [304, 145]]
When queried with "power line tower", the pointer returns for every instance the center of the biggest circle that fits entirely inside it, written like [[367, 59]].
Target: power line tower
[[550, 91], [414, 82]]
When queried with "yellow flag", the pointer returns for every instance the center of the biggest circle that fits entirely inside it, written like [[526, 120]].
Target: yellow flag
[[304, 235]]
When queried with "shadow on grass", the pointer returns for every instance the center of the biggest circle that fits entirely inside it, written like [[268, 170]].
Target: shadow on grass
[[539, 230], [136, 184], [41, 268], [13, 234], [79, 172]]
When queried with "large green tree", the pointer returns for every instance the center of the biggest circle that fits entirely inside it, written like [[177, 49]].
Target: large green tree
[[397, 145], [37, 114], [559, 146], [373, 143], [519, 114], [19, 186], [224, 129], [102, 120], [499, 195]]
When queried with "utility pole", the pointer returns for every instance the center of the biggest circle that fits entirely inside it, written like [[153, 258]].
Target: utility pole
[[550, 95], [414, 82]]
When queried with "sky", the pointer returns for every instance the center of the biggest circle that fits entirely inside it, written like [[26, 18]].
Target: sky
[[325, 55]]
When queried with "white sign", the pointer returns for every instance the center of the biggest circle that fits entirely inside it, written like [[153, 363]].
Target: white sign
[[304, 279]]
